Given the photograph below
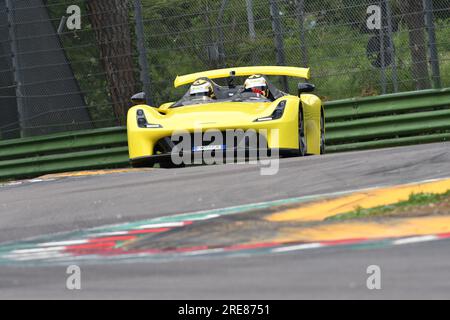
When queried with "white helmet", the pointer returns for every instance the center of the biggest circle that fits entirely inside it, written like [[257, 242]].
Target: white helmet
[[257, 84], [201, 88]]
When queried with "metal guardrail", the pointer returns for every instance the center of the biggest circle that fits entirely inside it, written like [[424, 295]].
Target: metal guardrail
[[80, 150], [388, 121], [352, 124], [413, 101]]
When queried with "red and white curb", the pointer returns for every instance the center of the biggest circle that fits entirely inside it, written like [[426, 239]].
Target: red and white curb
[[99, 249]]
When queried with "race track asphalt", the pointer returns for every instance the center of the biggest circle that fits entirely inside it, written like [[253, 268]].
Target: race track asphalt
[[411, 271]]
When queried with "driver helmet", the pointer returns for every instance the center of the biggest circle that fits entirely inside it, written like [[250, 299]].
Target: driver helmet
[[201, 88], [257, 84]]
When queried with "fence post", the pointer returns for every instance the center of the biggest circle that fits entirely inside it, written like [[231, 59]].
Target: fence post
[[143, 62], [279, 44], [251, 28], [382, 53], [16, 66], [301, 23], [251, 19], [392, 52], [434, 58], [220, 34]]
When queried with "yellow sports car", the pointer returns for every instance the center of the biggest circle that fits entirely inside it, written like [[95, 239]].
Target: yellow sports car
[[291, 125]]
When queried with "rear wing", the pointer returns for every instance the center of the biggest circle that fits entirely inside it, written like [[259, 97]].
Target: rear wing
[[244, 71]]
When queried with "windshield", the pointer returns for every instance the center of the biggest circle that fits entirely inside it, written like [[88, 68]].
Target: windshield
[[223, 94], [245, 96]]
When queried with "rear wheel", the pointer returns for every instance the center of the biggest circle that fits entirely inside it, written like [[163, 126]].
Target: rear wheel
[[302, 145], [322, 133]]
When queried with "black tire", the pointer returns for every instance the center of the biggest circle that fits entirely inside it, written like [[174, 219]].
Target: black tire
[[322, 133], [168, 164], [140, 164], [151, 163], [302, 144]]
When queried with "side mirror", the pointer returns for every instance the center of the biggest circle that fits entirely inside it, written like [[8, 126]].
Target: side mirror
[[305, 87], [139, 98]]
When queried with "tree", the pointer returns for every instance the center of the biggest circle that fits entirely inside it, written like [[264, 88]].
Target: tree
[[110, 21]]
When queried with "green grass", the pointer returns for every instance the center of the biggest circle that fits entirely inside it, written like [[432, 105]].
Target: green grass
[[414, 200]]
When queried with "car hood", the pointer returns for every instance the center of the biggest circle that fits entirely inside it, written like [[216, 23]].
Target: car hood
[[217, 113]]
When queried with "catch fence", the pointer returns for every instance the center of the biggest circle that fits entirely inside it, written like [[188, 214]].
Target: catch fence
[[68, 65]]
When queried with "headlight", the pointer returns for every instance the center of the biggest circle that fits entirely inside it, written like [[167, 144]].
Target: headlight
[[142, 121], [277, 113]]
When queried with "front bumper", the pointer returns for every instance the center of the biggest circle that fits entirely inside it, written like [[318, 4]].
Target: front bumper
[[218, 157]]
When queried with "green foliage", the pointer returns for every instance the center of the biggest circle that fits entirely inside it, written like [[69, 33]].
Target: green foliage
[[443, 44], [414, 200]]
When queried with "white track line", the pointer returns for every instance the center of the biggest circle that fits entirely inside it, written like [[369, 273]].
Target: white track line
[[415, 240], [161, 225], [62, 243], [298, 247]]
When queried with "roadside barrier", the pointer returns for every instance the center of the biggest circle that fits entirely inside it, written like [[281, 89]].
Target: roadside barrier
[[389, 120]]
